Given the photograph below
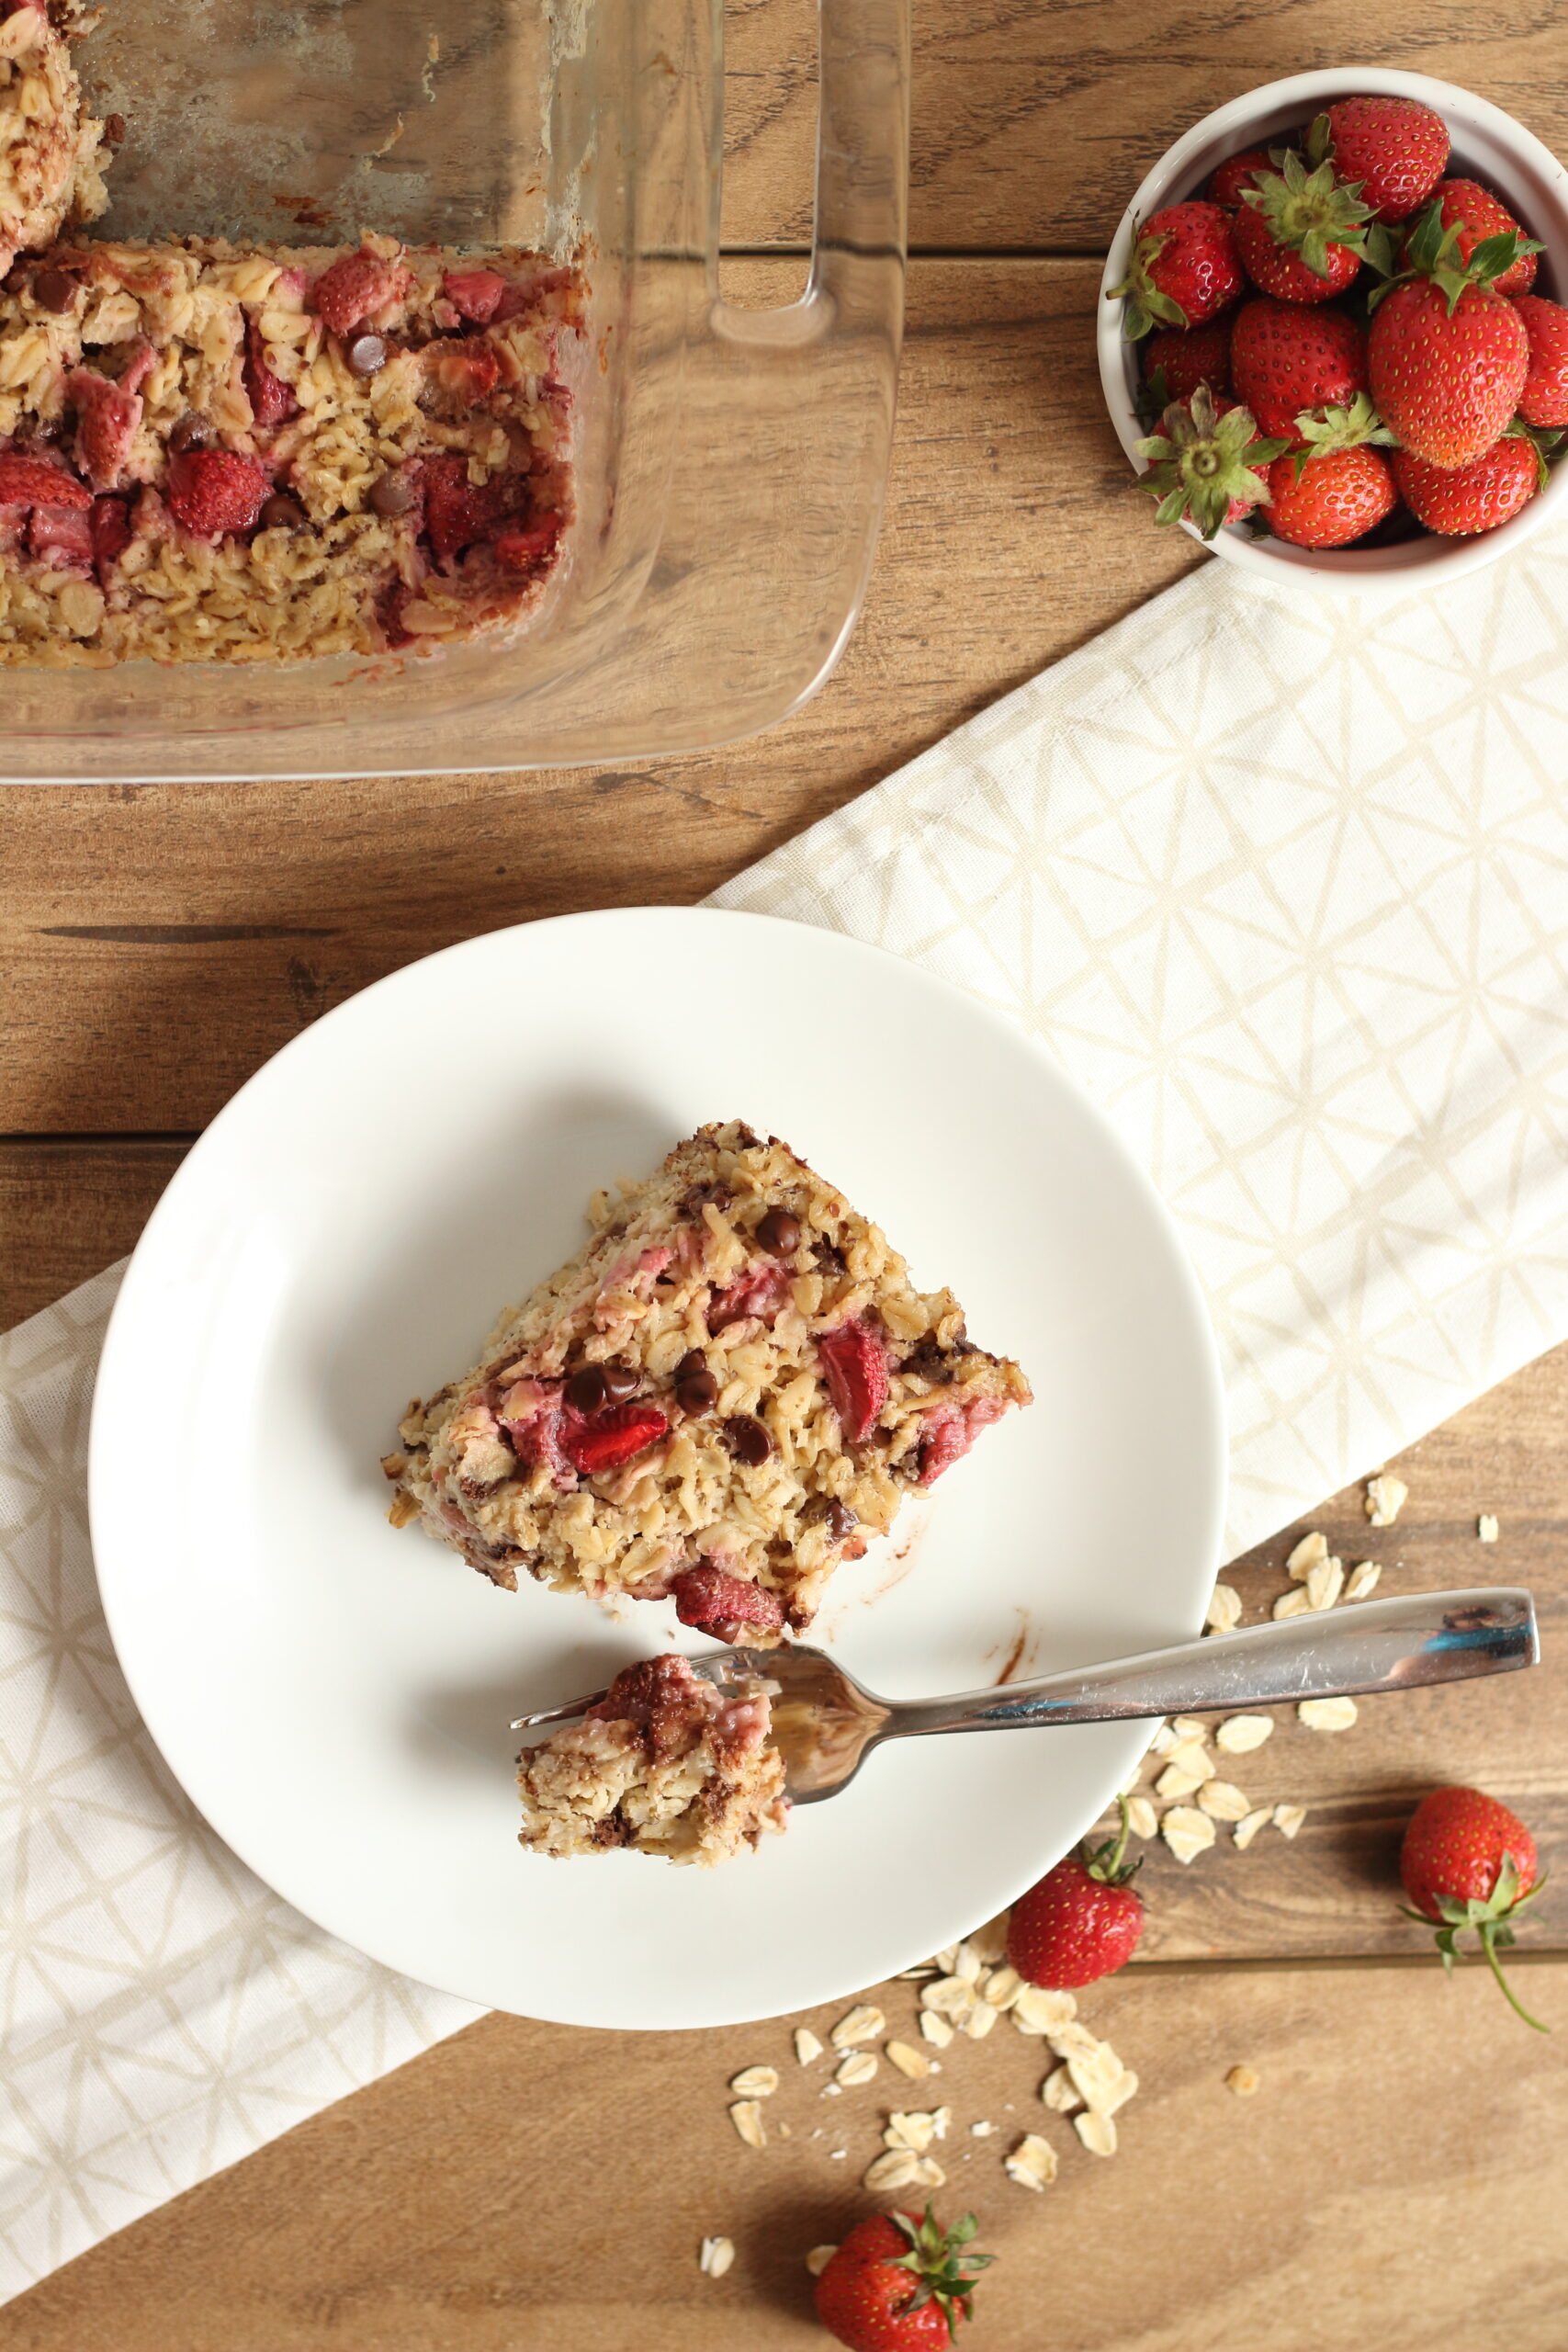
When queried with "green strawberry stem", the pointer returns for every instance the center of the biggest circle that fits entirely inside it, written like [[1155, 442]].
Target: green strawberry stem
[[1340, 428], [1105, 1863], [1145, 304], [1491, 1920], [944, 2272], [1488, 1945], [1431, 251], [1200, 463], [1309, 211]]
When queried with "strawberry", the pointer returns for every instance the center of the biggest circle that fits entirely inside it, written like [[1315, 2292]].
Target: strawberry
[[108, 415], [1468, 1862], [272, 401], [61, 537], [1081, 1921], [854, 1362], [1182, 358], [456, 511], [475, 294], [1331, 500], [595, 1442], [1301, 233], [528, 547], [1205, 463], [1185, 269], [1394, 148], [1544, 399], [1447, 355], [355, 287], [896, 2284], [1459, 500], [1237, 173], [212, 492], [33, 482], [1286, 357], [1476, 214], [727, 1607], [111, 533], [461, 373]]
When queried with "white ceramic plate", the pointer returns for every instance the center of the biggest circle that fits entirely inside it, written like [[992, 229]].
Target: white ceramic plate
[[336, 1695]]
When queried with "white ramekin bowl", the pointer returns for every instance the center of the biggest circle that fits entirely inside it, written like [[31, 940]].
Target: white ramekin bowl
[[1488, 145]]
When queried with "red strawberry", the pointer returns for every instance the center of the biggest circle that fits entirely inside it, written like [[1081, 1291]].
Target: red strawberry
[[594, 1441], [727, 1607], [1237, 173], [1286, 358], [1082, 1921], [475, 293], [1459, 500], [1185, 269], [529, 547], [1475, 213], [272, 401], [1395, 148], [61, 537], [855, 1365], [900, 2285], [460, 372], [111, 533], [1188, 358], [456, 511], [1468, 1862], [108, 415], [1205, 463], [355, 287], [1301, 233], [214, 490], [1447, 355], [1335, 498], [33, 482], [1544, 399]]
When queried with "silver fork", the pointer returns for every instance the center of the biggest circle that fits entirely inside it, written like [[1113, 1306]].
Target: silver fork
[[827, 1723]]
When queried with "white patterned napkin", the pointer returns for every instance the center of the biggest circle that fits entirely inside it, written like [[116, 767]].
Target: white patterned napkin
[[1285, 885]]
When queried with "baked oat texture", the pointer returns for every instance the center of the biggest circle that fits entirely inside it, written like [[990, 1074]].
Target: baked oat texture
[[664, 1763], [221, 452], [730, 1389]]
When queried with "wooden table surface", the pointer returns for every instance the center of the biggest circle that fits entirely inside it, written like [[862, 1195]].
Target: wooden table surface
[[1400, 2176]]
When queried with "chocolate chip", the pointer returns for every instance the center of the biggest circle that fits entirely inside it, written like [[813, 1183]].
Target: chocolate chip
[[55, 291], [282, 512], [779, 1232], [696, 1392], [693, 1361], [366, 355], [588, 1389], [748, 1439], [391, 495], [840, 1520], [621, 1380], [190, 433]]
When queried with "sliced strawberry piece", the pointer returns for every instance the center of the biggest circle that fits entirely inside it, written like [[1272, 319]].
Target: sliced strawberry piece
[[62, 537], [272, 401], [213, 491], [949, 1434], [111, 533], [594, 1441], [355, 287], [759, 1290], [33, 482], [460, 374], [727, 1607], [530, 1413], [529, 547], [106, 417], [456, 512], [855, 1363], [474, 293]]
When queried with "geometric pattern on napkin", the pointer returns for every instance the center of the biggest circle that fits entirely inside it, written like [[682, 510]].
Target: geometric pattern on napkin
[[161, 2013], [1284, 883]]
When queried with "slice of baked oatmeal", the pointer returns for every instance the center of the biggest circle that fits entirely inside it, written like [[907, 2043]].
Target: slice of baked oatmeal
[[665, 1763], [730, 1389], [51, 154]]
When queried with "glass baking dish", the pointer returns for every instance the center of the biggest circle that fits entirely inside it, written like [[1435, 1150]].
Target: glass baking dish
[[732, 464]]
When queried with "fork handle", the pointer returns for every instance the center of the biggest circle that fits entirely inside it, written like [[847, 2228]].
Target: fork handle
[[1372, 1645]]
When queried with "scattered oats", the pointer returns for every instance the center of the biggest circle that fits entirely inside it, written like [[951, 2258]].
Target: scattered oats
[[1039, 2011], [784, 2130], [1288, 1818], [829, 2090], [859, 2067], [930, 2174], [1133, 1777], [1125, 2088], [1242, 2080], [1363, 1576], [1180, 1781], [1072, 2039], [1385, 1496], [1223, 1612], [1098, 2077], [1486, 1528], [1033, 2163], [1186, 1832], [1190, 1726], [967, 1962], [1163, 1740], [951, 1996], [1327, 1714], [981, 2131], [895, 2169], [837, 2155], [935, 2030], [806, 2046], [1291, 1604], [1060, 2093], [716, 2255], [754, 2082], [862, 2024], [1002, 1988], [747, 2118], [1097, 2132], [914, 2130], [1223, 1801], [1142, 1818], [818, 2259], [977, 2022], [1325, 1584], [910, 1975], [908, 2060], [942, 1962], [1240, 1735], [991, 1940], [1249, 1825], [1306, 1556]]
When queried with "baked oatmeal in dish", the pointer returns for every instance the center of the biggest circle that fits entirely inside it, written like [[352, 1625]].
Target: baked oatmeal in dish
[[51, 154], [665, 1763], [730, 1389]]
